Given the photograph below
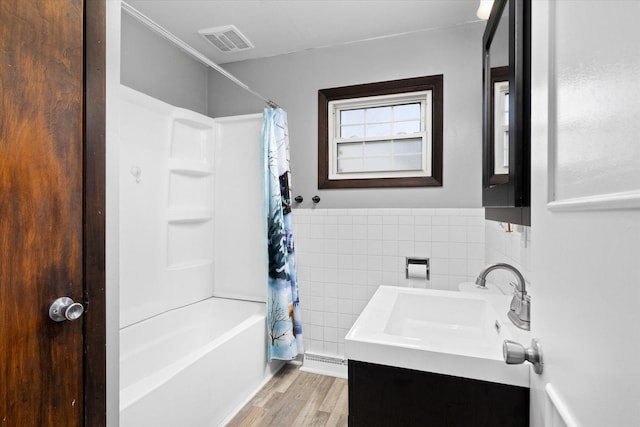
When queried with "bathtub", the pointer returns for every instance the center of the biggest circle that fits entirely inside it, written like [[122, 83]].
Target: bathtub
[[193, 366]]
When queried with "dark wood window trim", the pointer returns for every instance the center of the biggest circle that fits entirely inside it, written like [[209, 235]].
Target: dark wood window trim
[[416, 84]]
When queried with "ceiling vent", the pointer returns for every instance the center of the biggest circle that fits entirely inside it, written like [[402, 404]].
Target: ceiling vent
[[227, 38]]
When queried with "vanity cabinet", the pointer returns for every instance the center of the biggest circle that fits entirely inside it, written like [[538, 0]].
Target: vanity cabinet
[[507, 112], [382, 395]]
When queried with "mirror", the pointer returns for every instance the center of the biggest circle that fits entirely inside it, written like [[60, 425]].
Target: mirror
[[506, 112]]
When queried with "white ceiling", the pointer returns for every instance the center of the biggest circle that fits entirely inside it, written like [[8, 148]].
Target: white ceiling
[[277, 27]]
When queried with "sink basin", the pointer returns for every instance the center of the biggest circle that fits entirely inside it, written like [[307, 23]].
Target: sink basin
[[453, 333], [448, 323]]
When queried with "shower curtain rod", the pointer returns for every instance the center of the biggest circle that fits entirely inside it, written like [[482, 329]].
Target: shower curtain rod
[[142, 18]]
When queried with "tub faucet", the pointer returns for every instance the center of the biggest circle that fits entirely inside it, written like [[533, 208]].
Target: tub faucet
[[519, 312]]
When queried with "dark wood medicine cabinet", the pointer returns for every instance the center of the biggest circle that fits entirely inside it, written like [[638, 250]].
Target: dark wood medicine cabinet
[[506, 165]]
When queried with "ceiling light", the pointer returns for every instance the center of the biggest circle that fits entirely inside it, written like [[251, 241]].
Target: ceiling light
[[484, 10]]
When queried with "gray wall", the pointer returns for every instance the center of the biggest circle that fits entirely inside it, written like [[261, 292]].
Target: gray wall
[[152, 65], [293, 81]]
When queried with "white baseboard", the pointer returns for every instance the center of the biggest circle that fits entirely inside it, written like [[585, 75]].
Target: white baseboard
[[334, 366]]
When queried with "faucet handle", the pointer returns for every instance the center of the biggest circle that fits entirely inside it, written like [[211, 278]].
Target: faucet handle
[[517, 298], [516, 302], [525, 309], [520, 311], [516, 288]]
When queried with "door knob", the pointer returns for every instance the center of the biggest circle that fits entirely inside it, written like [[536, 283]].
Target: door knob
[[65, 309], [514, 353]]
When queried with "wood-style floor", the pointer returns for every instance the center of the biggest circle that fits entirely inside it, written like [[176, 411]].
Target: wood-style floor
[[296, 399]]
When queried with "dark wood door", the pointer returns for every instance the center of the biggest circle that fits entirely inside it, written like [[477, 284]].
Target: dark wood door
[[41, 210]]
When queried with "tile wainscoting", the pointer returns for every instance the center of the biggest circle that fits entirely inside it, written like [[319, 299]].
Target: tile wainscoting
[[343, 255]]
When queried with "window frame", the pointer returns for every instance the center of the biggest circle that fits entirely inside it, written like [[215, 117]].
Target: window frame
[[501, 129], [497, 75], [433, 84], [424, 98]]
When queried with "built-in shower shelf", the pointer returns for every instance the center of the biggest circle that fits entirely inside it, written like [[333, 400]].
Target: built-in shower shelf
[[190, 167], [180, 215], [190, 264]]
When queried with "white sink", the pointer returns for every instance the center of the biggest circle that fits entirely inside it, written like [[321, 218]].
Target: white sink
[[453, 333], [448, 323]]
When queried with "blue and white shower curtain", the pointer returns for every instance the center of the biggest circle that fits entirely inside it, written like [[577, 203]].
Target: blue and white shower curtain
[[284, 328]]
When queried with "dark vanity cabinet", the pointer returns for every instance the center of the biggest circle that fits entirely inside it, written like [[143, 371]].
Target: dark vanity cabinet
[[382, 395], [507, 112]]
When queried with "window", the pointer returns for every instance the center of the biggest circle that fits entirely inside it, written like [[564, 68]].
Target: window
[[386, 134], [498, 126], [501, 127], [385, 137]]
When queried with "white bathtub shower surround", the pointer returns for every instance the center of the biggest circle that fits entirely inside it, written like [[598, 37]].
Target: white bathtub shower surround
[[191, 236], [204, 362], [190, 203], [345, 254]]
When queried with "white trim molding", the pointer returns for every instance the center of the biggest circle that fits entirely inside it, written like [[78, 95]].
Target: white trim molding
[[611, 201], [560, 406]]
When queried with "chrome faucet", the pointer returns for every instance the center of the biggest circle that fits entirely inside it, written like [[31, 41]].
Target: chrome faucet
[[519, 312]]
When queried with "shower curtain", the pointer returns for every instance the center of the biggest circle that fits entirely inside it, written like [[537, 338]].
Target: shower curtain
[[284, 329]]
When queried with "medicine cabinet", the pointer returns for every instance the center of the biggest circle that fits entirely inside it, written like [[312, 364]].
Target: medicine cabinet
[[506, 112]]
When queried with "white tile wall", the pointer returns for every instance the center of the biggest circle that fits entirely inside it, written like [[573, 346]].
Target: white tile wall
[[511, 247], [343, 255]]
